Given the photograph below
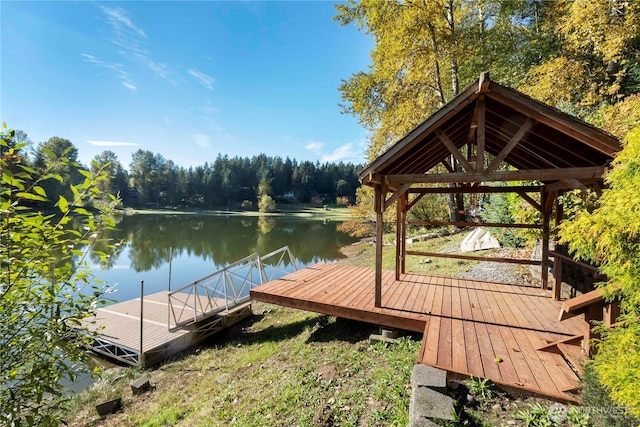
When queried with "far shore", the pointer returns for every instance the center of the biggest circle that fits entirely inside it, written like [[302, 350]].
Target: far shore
[[299, 211]]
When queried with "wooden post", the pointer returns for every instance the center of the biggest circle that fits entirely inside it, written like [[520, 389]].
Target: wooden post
[[557, 277], [399, 233], [170, 262], [378, 203], [544, 276], [404, 201], [141, 356], [593, 314], [480, 135]]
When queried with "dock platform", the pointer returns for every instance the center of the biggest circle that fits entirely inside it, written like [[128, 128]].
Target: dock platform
[[491, 330], [119, 327]]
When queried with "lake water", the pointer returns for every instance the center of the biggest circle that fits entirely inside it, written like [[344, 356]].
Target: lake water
[[202, 244]]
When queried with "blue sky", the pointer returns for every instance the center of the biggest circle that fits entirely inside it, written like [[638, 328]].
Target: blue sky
[[187, 80]]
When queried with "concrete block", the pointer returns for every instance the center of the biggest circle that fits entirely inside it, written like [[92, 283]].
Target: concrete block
[[390, 333], [140, 385], [109, 407], [373, 338], [427, 403], [428, 376], [422, 422]]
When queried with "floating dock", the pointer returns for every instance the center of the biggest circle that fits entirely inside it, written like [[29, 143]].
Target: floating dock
[[145, 331], [119, 327]]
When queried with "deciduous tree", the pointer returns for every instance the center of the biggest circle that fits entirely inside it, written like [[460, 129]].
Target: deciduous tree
[[46, 288]]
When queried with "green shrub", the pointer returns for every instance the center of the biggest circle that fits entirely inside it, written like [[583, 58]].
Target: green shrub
[[610, 235]]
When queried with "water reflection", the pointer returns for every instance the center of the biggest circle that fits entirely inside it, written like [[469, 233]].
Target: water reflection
[[203, 244]]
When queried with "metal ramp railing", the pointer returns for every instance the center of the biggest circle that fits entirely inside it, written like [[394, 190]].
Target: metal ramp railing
[[226, 288]]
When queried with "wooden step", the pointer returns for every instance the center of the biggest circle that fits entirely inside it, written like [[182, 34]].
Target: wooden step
[[574, 355]]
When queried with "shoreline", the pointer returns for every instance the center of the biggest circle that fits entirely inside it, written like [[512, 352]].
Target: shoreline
[[297, 212]]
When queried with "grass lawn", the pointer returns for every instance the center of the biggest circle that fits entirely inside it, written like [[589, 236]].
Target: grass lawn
[[281, 367]]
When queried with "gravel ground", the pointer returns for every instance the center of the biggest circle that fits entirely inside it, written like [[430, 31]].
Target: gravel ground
[[493, 272]]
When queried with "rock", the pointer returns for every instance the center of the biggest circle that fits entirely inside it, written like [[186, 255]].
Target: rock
[[222, 378], [497, 407], [479, 239]]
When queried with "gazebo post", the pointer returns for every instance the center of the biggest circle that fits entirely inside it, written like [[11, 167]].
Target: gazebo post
[[398, 237], [378, 202], [546, 205], [403, 244]]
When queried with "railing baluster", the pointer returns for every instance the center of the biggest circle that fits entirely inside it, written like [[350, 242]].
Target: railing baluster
[[225, 283]]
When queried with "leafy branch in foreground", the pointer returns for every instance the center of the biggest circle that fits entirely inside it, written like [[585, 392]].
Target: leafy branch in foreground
[[47, 289]]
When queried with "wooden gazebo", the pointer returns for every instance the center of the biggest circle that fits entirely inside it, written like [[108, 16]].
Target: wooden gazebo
[[487, 134], [514, 334]]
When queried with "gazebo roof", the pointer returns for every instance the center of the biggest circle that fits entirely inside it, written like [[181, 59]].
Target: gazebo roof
[[539, 141]]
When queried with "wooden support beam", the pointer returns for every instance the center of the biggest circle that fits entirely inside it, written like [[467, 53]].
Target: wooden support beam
[[483, 82], [557, 278], [399, 192], [474, 258], [530, 200], [480, 137], [546, 213], [548, 207], [510, 145], [403, 252], [453, 150], [447, 165], [554, 174], [399, 226], [575, 184], [379, 203], [413, 202], [474, 224], [582, 132], [477, 189]]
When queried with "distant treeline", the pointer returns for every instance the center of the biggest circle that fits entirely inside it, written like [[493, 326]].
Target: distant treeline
[[227, 182]]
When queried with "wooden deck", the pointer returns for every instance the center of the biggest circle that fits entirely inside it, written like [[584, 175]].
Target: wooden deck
[[118, 326], [470, 327]]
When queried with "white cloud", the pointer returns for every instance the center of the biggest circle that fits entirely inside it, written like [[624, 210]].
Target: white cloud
[[202, 78], [202, 141], [116, 68], [343, 152], [112, 143], [129, 40], [315, 147], [120, 21]]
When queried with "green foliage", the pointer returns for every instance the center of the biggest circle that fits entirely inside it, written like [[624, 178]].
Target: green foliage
[[46, 289], [499, 210], [480, 387], [433, 207], [596, 399], [620, 118], [266, 204], [594, 57], [610, 236], [577, 418], [424, 52], [536, 416]]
